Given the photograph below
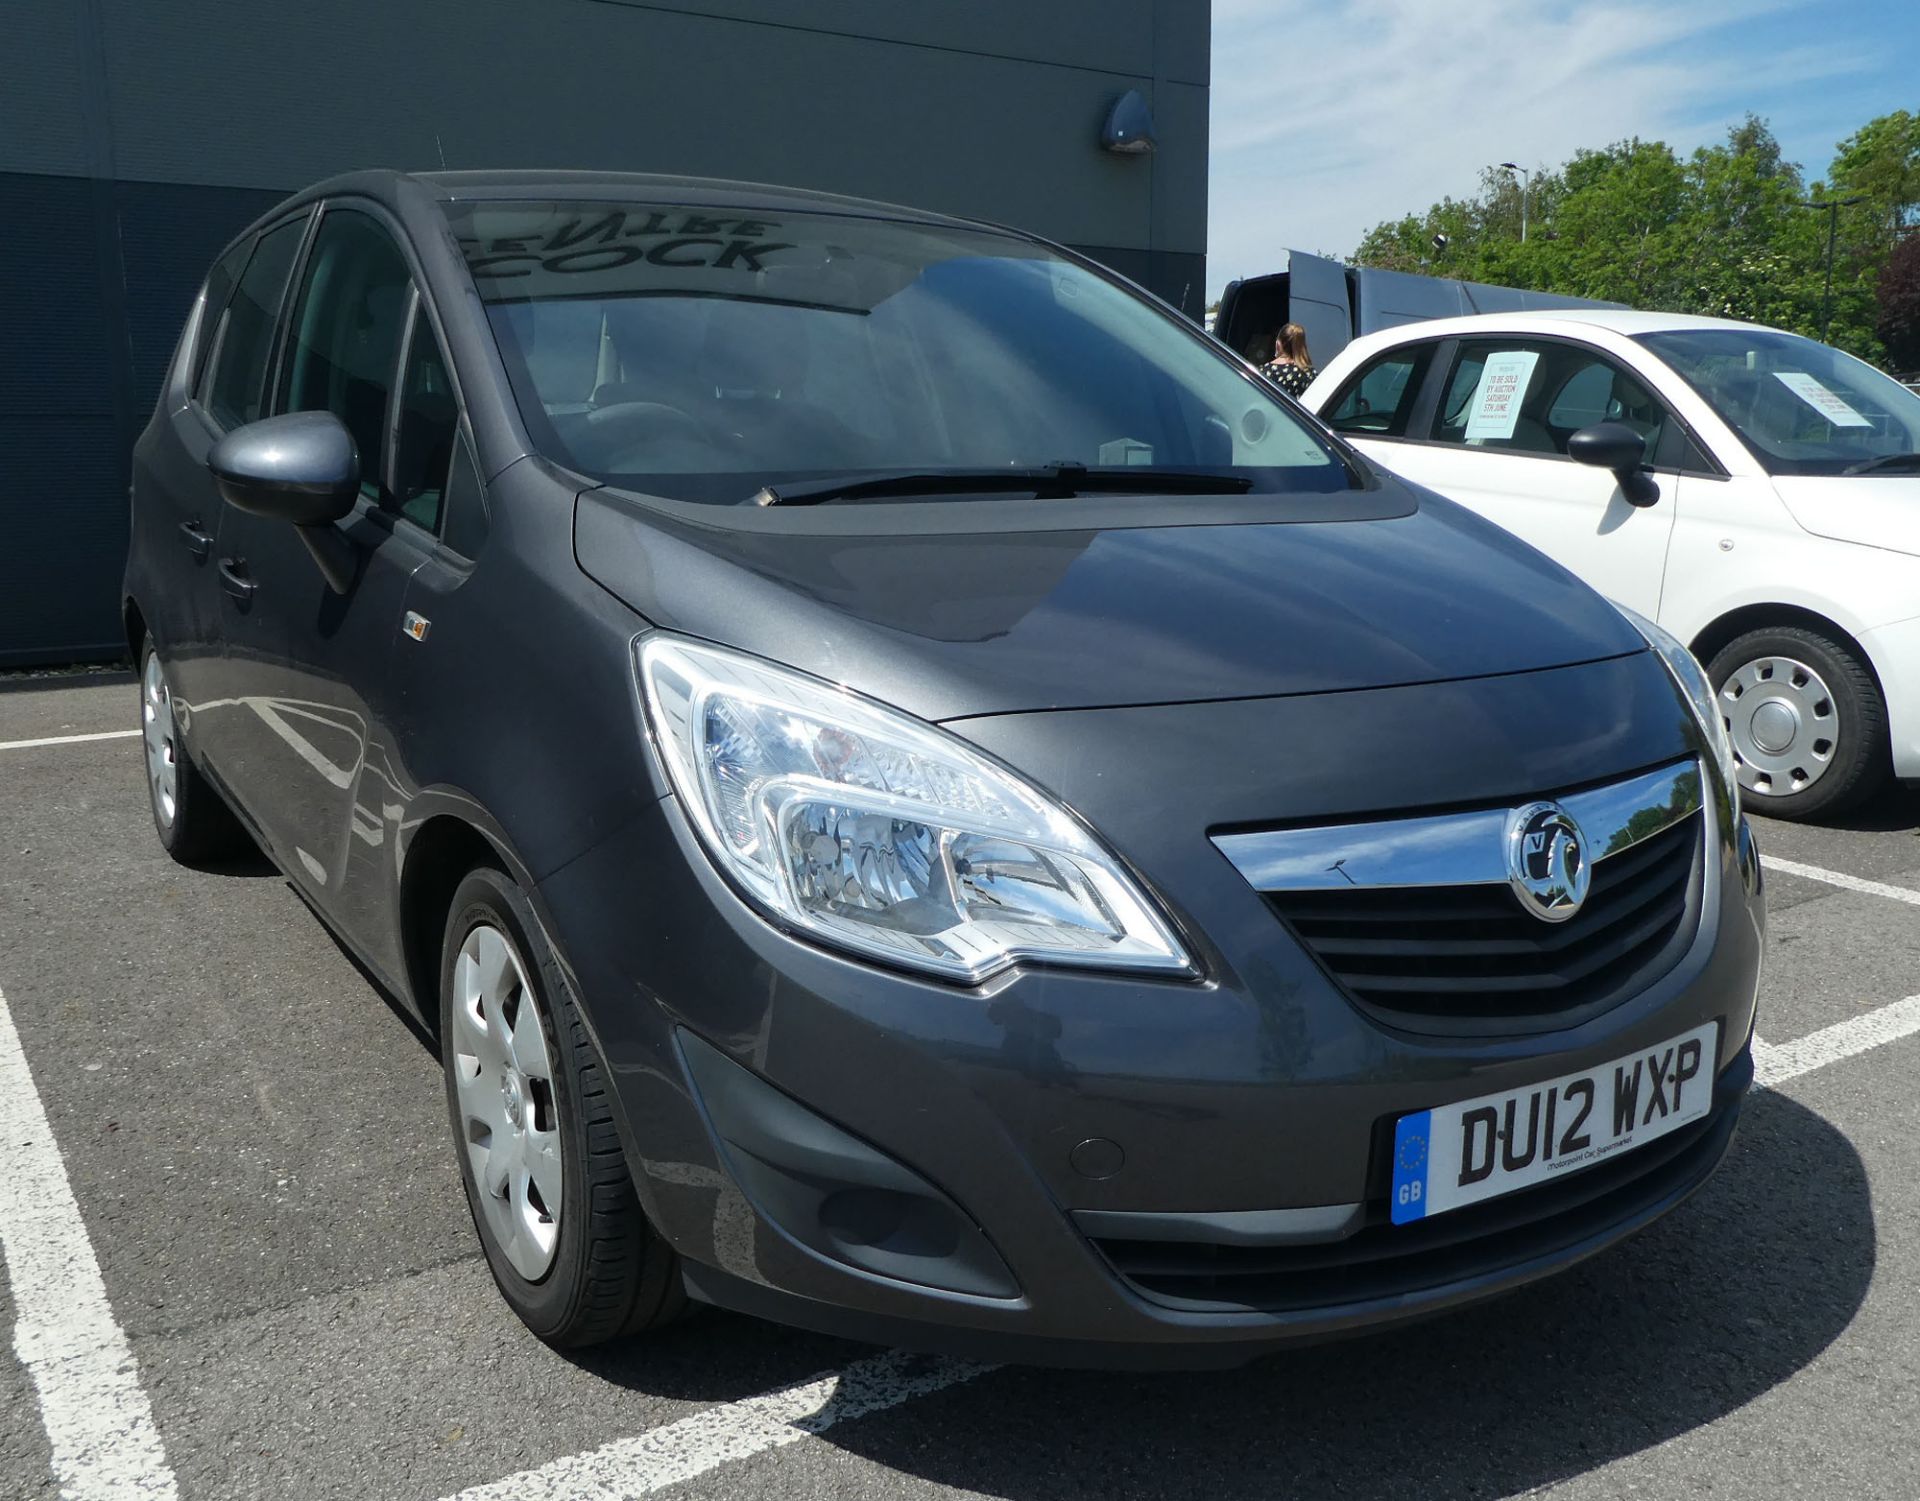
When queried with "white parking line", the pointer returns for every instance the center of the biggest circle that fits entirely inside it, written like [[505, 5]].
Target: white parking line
[[7, 745], [1775, 1063], [98, 1422], [690, 1447], [1841, 879]]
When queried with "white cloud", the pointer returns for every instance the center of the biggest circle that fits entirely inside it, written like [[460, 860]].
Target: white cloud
[[1329, 117]]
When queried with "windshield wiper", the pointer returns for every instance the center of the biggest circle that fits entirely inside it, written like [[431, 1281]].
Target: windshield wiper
[[1044, 481], [1885, 461]]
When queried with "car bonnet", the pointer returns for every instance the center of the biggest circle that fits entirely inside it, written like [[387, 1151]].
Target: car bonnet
[[1874, 510], [1107, 603]]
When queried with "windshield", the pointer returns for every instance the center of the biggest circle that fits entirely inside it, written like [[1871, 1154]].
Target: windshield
[[701, 354], [1802, 407]]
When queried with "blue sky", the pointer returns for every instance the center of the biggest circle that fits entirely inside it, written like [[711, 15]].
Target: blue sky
[[1329, 117]]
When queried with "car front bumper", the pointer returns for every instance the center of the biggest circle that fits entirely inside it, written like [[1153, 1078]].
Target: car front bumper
[[1094, 1132], [1894, 651]]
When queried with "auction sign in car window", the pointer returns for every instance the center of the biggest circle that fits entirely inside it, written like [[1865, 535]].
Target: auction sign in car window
[[1494, 411]]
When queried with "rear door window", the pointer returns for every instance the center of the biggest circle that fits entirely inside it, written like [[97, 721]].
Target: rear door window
[[236, 370], [219, 291], [1379, 401]]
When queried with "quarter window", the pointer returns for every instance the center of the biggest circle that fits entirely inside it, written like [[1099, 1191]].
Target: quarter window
[[344, 338], [424, 439], [1521, 396], [1379, 401], [237, 365]]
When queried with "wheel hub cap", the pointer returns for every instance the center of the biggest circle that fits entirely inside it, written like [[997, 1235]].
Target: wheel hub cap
[[1780, 715], [1773, 725], [157, 735], [503, 1089]]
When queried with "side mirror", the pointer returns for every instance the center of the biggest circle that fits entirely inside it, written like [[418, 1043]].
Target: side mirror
[[1615, 446], [301, 467]]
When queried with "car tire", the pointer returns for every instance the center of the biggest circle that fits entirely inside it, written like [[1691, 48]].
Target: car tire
[[194, 823], [1808, 722], [591, 1268]]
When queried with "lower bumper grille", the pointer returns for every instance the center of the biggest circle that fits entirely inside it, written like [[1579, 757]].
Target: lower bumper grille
[[1384, 1261]]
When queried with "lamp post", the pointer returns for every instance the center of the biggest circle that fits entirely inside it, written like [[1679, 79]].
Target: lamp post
[[1526, 182], [1832, 207]]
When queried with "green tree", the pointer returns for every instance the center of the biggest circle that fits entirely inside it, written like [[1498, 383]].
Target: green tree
[[1612, 234], [1882, 160], [1723, 232], [1747, 248]]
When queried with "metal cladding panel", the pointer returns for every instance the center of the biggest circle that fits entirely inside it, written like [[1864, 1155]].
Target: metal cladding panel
[[43, 80], [617, 86], [63, 492], [52, 353], [95, 282], [1113, 37], [1180, 168]]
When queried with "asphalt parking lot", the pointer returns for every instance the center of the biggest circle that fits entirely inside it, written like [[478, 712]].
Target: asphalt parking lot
[[237, 1262]]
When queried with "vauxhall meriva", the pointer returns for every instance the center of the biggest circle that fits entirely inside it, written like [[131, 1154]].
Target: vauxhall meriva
[[917, 796]]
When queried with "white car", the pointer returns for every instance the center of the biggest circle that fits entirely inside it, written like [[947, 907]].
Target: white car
[[1756, 493]]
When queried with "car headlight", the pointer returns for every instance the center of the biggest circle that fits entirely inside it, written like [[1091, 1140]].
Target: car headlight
[[874, 831], [1686, 670]]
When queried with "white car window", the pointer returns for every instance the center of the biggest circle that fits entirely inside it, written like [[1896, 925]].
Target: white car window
[[1801, 407], [1584, 399], [1531, 396], [1378, 402]]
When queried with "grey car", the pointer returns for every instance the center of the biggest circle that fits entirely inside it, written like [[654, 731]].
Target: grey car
[[915, 795]]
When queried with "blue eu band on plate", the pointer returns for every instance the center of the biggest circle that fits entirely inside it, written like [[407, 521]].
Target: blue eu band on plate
[[1454, 1155]]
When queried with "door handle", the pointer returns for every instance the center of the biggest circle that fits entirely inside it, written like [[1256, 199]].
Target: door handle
[[233, 578], [196, 541]]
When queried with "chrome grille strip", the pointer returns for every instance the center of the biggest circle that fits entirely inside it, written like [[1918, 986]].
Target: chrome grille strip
[[1454, 849]]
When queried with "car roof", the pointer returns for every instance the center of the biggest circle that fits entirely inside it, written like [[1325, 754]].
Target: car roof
[[1555, 320], [468, 186]]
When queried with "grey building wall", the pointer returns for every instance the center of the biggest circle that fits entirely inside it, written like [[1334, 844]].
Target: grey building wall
[[136, 137]]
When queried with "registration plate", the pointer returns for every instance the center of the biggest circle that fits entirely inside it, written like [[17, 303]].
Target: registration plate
[[1455, 1155]]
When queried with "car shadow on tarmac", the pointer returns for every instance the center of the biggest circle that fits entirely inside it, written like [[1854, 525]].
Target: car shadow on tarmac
[[1706, 1310], [1894, 811]]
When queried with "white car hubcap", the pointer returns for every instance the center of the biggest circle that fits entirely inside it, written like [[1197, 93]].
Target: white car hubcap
[[1780, 714]]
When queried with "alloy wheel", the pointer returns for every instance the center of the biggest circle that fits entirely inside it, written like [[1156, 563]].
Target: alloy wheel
[[503, 1081], [1785, 728]]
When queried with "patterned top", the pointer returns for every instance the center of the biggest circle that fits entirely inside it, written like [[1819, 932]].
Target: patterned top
[[1293, 379]]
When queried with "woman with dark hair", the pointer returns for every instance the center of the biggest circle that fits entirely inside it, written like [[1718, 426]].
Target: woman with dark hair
[[1291, 368]]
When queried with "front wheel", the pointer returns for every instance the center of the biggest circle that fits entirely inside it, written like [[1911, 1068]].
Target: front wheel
[[568, 1243], [1807, 720]]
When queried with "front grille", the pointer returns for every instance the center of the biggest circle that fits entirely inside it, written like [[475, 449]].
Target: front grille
[[1473, 952], [1385, 1261]]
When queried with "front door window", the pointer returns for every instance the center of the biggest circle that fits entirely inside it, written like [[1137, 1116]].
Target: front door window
[[344, 338], [1526, 396]]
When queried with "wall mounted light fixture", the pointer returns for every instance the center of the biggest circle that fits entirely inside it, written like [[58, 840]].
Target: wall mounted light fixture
[[1129, 127]]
